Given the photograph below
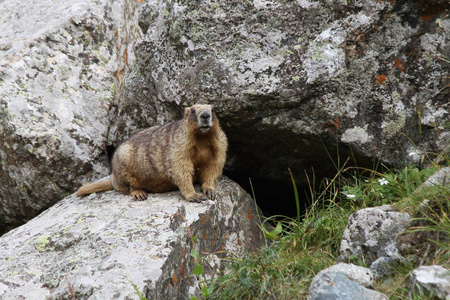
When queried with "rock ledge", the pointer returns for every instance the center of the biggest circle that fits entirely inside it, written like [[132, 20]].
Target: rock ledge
[[96, 247]]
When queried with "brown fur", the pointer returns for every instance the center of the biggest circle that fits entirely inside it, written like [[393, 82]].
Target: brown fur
[[164, 158]]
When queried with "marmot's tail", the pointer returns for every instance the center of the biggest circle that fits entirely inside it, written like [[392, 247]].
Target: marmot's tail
[[95, 187]]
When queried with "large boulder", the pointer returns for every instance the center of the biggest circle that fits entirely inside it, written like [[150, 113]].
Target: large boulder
[[62, 69], [97, 247], [290, 77]]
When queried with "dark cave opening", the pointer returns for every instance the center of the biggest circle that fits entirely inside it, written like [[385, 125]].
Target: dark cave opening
[[259, 160], [274, 197]]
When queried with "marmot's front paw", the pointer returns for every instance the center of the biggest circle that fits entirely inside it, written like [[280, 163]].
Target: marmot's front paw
[[139, 195], [209, 194], [197, 198]]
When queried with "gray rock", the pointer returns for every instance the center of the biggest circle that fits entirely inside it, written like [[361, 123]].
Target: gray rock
[[97, 247], [288, 77], [441, 178], [62, 68], [328, 285], [384, 266], [431, 279], [360, 275], [371, 233]]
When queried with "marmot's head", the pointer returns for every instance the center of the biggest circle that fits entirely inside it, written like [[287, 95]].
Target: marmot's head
[[201, 116]]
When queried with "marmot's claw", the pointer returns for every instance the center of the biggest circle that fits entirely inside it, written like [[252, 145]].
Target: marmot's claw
[[209, 194], [139, 195], [197, 198]]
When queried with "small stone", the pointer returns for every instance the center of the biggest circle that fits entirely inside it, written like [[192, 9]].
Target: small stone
[[383, 267], [371, 233], [360, 275], [431, 279], [336, 285]]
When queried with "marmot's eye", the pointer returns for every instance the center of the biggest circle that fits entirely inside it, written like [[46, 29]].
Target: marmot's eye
[[192, 110]]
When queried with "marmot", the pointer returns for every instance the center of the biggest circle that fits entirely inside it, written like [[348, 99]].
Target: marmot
[[164, 158]]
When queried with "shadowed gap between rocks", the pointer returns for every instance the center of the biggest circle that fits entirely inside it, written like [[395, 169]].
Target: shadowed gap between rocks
[[263, 156]]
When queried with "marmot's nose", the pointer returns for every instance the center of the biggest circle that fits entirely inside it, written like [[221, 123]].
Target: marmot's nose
[[205, 115]]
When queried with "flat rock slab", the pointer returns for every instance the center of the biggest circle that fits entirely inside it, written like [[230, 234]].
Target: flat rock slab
[[96, 247]]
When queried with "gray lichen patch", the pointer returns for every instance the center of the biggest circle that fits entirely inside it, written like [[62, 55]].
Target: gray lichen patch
[[356, 135]]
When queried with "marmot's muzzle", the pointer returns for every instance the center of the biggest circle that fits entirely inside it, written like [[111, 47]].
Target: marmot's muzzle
[[204, 121]]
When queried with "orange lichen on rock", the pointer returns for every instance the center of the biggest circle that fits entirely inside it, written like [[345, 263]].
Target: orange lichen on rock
[[399, 65], [381, 79]]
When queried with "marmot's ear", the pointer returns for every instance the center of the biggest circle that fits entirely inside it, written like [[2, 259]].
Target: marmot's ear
[[186, 111]]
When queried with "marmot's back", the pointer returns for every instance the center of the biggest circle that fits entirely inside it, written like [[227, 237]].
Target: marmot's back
[[148, 151]]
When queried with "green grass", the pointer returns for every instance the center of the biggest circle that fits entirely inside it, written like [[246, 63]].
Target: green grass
[[297, 249], [430, 210]]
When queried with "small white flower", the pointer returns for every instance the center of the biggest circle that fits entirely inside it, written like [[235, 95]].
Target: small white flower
[[351, 196], [383, 181]]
